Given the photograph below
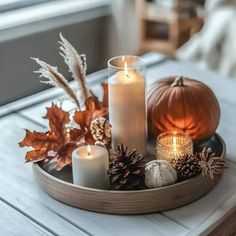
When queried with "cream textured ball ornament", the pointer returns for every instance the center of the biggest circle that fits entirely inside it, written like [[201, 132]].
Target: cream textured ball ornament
[[159, 173]]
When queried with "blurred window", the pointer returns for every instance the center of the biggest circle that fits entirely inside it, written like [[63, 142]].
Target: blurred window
[[8, 5]]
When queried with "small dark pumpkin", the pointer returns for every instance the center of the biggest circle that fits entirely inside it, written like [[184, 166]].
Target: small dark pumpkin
[[182, 104]]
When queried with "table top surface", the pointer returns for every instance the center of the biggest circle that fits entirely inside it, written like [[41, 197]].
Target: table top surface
[[26, 210]]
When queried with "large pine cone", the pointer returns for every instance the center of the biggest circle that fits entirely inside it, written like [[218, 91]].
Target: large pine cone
[[126, 170], [187, 166]]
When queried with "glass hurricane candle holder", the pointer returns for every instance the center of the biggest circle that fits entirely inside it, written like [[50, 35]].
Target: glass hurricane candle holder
[[171, 145], [126, 92]]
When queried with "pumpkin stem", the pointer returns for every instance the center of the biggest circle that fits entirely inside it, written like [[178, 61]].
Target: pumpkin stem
[[178, 82]]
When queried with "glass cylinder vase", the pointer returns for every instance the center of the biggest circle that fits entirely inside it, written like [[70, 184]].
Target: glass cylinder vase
[[127, 102]]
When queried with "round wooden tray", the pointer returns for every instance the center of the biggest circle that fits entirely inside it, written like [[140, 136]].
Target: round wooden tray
[[59, 186]]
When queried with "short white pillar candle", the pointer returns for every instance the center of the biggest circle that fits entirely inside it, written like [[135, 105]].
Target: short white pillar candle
[[89, 166]]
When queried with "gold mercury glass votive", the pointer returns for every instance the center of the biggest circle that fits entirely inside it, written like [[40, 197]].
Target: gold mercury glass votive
[[171, 145]]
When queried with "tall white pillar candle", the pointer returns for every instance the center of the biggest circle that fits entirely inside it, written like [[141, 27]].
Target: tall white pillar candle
[[89, 166], [127, 112]]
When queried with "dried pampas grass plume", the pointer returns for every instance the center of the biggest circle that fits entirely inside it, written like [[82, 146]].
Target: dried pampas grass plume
[[76, 63], [55, 79]]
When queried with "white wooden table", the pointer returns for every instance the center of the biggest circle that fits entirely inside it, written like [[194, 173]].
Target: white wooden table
[[26, 210]]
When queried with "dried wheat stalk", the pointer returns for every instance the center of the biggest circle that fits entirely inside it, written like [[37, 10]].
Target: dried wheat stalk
[[76, 63], [55, 78]]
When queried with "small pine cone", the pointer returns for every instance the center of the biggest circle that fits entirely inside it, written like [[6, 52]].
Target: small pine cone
[[101, 131], [126, 170], [210, 164], [187, 166]]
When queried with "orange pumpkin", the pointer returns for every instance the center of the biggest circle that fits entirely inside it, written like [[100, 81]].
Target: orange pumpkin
[[182, 104]]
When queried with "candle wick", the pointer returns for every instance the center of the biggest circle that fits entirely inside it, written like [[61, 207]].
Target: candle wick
[[127, 75], [89, 150]]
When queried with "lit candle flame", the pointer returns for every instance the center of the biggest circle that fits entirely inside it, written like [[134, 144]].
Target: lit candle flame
[[89, 150], [175, 142], [126, 70]]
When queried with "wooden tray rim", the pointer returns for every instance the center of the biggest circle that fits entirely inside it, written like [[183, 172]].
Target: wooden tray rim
[[127, 202]]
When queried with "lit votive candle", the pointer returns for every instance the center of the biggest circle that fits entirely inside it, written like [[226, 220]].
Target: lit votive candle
[[171, 145], [89, 167]]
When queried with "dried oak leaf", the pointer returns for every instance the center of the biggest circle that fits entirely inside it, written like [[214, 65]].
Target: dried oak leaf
[[105, 94], [57, 143]]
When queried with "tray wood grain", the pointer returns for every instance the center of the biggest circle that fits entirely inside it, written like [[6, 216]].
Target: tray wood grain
[[59, 186]]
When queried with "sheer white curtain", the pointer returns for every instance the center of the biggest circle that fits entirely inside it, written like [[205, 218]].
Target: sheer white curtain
[[124, 27]]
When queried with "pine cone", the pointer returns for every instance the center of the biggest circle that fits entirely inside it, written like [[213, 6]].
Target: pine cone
[[210, 164], [126, 170], [187, 166], [101, 131]]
